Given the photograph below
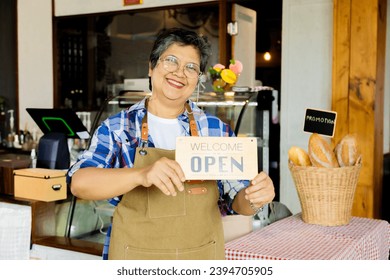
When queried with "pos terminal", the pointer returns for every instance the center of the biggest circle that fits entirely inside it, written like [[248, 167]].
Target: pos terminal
[[57, 125]]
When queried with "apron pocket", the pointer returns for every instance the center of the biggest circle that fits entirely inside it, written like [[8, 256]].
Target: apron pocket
[[161, 205], [204, 252]]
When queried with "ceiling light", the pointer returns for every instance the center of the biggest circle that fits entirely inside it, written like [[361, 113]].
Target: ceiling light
[[267, 56]]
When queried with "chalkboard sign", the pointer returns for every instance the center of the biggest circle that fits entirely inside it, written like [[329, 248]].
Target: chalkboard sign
[[321, 122]]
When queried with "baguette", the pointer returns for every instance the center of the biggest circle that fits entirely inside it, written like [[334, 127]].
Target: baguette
[[299, 156], [321, 153], [347, 150]]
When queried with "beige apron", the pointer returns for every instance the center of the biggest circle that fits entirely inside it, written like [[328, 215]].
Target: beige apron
[[149, 225]]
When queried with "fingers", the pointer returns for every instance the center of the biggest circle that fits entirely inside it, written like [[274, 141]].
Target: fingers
[[169, 180], [261, 190], [166, 175]]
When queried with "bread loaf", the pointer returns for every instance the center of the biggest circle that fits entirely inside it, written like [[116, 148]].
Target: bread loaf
[[299, 156], [347, 150], [321, 152]]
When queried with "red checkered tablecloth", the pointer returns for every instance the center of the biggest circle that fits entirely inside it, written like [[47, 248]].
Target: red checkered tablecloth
[[291, 238]]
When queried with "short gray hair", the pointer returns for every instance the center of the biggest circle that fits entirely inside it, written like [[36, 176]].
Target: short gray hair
[[183, 37]]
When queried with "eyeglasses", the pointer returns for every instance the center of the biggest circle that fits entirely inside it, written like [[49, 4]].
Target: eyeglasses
[[171, 64]]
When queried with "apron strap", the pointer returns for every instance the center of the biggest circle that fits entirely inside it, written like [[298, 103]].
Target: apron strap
[[144, 131], [193, 127], [144, 127]]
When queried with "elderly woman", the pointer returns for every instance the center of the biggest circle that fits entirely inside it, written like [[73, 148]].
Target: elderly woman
[[131, 161]]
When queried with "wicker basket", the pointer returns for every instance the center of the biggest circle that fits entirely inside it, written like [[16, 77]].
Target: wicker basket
[[326, 194]]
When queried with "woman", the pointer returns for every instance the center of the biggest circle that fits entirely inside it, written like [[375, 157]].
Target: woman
[[131, 158]]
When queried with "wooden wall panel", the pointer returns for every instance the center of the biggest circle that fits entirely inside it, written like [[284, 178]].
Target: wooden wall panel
[[357, 89]]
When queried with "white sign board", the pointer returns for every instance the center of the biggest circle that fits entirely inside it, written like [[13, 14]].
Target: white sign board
[[212, 158]]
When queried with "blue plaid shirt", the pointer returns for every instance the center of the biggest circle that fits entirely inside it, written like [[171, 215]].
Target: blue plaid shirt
[[114, 143]]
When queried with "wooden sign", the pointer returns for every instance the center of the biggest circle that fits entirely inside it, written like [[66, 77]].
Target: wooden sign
[[212, 158], [320, 121]]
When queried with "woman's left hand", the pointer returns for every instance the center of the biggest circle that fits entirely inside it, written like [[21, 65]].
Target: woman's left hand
[[261, 191]]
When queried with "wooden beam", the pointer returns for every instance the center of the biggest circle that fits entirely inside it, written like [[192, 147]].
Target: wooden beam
[[225, 49], [359, 38]]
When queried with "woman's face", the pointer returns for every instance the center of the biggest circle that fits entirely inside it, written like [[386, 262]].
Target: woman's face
[[175, 85]]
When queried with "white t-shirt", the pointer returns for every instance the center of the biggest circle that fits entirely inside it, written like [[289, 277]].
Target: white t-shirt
[[164, 131]]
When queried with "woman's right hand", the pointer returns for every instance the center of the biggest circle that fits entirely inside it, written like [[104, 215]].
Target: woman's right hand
[[165, 174]]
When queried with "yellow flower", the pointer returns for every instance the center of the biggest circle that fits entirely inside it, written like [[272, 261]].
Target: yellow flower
[[229, 76], [224, 78]]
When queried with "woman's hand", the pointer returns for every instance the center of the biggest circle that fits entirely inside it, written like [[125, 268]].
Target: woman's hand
[[261, 190], [165, 174]]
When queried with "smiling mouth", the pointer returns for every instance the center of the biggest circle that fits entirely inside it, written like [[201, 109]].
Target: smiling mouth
[[175, 83]]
